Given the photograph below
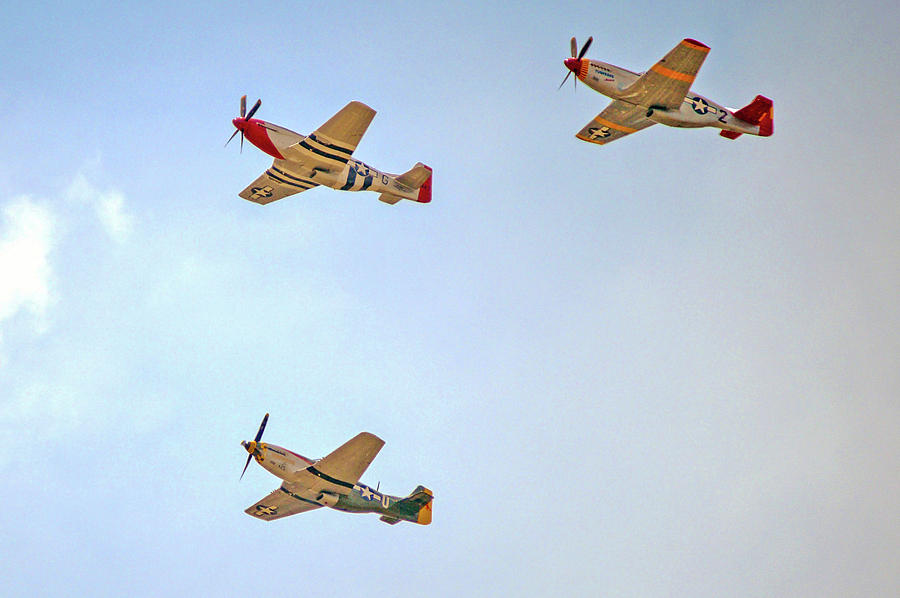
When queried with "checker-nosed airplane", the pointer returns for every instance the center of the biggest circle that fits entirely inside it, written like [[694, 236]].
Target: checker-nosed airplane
[[323, 158], [332, 481], [661, 95]]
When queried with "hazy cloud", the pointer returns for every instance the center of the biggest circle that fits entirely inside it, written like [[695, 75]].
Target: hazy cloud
[[60, 384], [26, 240], [109, 206]]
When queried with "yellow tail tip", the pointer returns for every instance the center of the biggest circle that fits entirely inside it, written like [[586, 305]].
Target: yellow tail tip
[[425, 513]]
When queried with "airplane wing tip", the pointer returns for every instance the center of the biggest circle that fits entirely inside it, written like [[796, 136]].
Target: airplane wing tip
[[362, 105], [372, 437], [695, 44]]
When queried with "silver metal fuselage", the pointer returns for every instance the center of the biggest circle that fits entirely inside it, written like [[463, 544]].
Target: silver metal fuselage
[[284, 464], [695, 111], [355, 175]]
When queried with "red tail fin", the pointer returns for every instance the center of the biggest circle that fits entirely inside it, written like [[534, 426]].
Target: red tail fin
[[759, 112], [425, 189], [418, 177]]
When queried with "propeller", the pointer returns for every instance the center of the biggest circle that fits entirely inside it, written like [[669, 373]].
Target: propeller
[[246, 116], [252, 446], [574, 63], [252, 110]]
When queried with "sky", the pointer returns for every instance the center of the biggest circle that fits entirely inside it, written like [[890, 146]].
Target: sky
[[663, 367]]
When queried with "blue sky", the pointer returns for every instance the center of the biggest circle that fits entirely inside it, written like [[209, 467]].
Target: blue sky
[[667, 366]]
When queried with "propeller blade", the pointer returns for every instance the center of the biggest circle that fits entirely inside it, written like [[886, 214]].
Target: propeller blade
[[585, 47], [574, 47], [242, 142], [245, 466], [244, 101], [236, 131], [253, 110], [557, 89], [262, 427], [259, 433]]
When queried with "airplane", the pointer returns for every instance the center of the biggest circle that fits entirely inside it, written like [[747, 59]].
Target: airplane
[[661, 95], [323, 158], [332, 481]]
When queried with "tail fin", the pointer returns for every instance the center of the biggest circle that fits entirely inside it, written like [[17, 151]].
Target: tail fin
[[416, 178], [759, 112], [424, 498], [416, 508]]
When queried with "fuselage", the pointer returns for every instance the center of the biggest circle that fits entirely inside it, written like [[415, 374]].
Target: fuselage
[[285, 464], [354, 175], [695, 111]]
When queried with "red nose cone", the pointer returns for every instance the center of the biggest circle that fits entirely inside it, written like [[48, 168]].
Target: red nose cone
[[255, 131], [573, 64]]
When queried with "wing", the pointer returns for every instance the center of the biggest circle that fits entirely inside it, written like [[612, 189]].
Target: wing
[[341, 469], [276, 183], [332, 144], [281, 503], [616, 121], [670, 79]]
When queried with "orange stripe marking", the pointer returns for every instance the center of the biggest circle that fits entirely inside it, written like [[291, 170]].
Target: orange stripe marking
[[613, 125], [666, 72]]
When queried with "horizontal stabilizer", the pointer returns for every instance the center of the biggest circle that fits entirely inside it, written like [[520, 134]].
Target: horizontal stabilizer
[[415, 176], [419, 497], [730, 134], [390, 520], [388, 198]]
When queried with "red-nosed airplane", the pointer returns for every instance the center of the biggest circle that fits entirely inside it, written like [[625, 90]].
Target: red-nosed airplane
[[323, 158], [661, 95], [332, 481]]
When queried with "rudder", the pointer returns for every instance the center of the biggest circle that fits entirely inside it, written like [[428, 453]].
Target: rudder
[[759, 112], [418, 177], [415, 508]]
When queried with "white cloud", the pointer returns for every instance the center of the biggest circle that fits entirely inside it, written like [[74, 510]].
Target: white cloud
[[115, 220], [29, 231], [26, 240], [109, 206], [60, 386]]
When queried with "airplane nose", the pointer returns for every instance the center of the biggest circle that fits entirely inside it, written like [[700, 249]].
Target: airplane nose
[[573, 64], [237, 122]]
